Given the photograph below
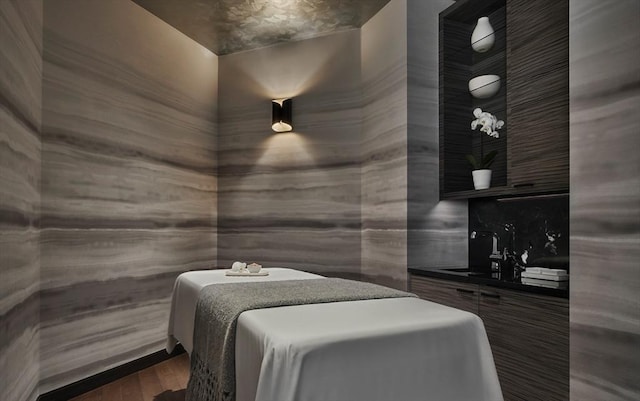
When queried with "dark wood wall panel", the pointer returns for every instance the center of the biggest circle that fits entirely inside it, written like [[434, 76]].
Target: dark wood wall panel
[[455, 58], [538, 95]]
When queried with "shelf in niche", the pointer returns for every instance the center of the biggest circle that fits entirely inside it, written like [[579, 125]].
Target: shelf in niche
[[504, 192]]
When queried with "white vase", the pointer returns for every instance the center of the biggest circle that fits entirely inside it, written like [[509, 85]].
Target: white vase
[[483, 36], [481, 178]]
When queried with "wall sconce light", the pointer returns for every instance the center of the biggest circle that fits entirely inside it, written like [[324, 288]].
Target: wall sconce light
[[281, 115]]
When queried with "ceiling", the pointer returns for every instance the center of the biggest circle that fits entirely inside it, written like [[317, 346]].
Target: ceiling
[[229, 26]]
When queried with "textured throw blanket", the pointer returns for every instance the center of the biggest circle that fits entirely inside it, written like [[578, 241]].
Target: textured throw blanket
[[213, 357]]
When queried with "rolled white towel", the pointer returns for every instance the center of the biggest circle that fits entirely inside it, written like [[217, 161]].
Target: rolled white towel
[[238, 266], [254, 268], [543, 270]]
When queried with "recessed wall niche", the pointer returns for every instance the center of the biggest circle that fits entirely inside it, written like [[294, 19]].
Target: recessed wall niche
[[531, 46], [459, 63]]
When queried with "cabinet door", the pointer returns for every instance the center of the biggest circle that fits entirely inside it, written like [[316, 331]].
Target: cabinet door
[[538, 95], [529, 336], [450, 293]]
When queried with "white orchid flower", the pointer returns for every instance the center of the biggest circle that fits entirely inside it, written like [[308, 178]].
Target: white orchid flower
[[488, 122]]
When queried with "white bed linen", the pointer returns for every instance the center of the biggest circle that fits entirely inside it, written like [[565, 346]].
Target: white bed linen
[[401, 349], [185, 298]]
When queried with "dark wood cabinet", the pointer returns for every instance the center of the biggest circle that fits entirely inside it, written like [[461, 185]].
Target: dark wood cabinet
[[538, 95], [529, 337], [528, 333], [458, 295], [531, 55]]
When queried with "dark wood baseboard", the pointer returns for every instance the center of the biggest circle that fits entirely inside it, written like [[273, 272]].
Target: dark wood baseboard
[[90, 383]]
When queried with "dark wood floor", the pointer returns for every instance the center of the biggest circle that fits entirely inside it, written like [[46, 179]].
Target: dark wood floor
[[165, 381]]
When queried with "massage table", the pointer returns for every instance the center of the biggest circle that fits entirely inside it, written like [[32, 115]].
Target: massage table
[[396, 349]]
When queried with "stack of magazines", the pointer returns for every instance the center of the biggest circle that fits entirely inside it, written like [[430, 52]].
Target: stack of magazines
[[543, 277]]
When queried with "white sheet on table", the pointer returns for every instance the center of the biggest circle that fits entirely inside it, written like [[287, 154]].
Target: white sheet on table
[[390, 349], [403, 349], [187, 289]]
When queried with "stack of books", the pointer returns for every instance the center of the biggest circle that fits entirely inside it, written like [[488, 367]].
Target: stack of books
[[543, 277]]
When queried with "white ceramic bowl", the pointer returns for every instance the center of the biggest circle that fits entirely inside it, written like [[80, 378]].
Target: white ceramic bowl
[[484, 86]]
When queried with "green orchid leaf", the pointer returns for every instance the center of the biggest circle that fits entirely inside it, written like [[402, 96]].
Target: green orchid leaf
[[488, 159], [472, 160]]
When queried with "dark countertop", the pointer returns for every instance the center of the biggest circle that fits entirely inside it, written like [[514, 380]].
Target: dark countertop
[[465, 277]]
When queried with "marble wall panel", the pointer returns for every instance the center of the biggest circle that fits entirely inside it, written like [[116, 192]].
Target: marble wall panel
[[292, 199], [445, 242], [605, 199], [128, 181], [384, 146], [437, 231], [330, 252], [106, 299], [384, 253], [20, 160]]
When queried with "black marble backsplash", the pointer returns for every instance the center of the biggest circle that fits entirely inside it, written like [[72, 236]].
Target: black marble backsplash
[[540, 225]]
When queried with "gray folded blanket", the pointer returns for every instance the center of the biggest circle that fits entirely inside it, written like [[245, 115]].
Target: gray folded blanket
[[219, 305]]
